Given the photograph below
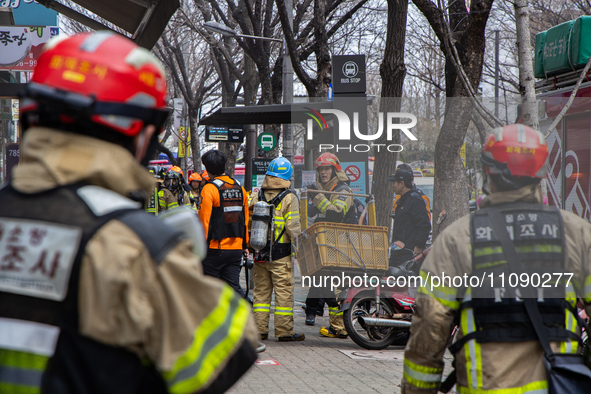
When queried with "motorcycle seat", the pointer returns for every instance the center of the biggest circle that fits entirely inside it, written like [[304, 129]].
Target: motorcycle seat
[[397, 271]]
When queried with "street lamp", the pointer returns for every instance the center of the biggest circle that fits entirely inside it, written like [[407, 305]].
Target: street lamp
[[287, 88], [225, 31]]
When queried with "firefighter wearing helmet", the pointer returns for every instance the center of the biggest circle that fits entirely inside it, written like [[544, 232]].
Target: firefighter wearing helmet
[[173, 194], [276, 222], [196, 183], [333, 207], [330, 208], [153, 204], [498, 348], [117, 299]]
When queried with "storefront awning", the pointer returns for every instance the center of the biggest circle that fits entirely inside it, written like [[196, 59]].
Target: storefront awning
[[144, 20]]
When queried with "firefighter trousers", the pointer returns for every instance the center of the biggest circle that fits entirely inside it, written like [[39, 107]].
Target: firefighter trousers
[[335, 317], [268, 278]]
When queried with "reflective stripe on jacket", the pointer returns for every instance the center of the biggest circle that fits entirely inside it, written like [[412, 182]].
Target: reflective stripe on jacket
[[504, 368], [164, 306]]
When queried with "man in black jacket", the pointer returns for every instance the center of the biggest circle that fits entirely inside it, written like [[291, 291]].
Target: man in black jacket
[[411, 221]]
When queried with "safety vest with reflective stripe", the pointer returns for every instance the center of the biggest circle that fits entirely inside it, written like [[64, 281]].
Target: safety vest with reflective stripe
[[227, 220], [41, 349]]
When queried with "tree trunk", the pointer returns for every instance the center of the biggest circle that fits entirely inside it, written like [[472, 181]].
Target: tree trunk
[[323, 61], [195, 145], [450, 192], [392, 71], [526, 65]]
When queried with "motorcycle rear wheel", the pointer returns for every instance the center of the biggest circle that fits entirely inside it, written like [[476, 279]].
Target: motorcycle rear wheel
[[372, 338]]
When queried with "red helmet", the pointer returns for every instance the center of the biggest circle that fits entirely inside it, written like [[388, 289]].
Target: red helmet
[[103, 77], [328, 159], [515, 151]]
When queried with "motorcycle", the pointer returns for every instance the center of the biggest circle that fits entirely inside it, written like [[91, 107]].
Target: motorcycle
[[380, 316]]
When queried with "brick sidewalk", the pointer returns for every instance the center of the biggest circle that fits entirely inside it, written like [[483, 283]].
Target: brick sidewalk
[[316, 365]]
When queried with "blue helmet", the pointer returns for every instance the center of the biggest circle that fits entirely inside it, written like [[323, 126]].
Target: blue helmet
[[281, 168]]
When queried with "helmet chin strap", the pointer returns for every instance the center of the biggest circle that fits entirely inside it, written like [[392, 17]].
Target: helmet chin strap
[[507, 178], [150, 150]]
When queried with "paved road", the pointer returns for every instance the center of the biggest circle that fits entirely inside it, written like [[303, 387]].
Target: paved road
[[319, 365]]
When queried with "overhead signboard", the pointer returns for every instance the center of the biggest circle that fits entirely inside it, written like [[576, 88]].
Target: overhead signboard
[[20, 47], [260, 165], [348, 74], [233, 134], [30, 13], [259, 169]]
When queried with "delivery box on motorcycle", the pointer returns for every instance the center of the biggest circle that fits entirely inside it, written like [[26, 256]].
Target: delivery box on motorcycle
[[340, 247]]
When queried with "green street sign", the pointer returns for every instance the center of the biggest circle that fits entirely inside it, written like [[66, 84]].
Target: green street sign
[[267, 142]]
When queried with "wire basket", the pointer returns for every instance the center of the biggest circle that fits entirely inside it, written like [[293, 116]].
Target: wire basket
[[342, 247]]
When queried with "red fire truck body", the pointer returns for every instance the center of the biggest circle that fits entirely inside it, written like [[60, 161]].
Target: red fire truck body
[[570, 148]]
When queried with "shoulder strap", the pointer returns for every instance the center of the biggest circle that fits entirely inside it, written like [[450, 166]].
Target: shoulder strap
[[280, 196], [217, 182], [158, 237], [340, 185], [514, 262]]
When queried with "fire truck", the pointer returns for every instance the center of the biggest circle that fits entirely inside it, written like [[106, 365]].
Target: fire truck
[[561, 52]]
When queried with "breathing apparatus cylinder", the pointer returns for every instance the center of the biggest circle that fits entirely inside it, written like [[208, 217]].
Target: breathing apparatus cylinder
[[261, 223]]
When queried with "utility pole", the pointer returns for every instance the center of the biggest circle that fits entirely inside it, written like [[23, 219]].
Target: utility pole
[[287, 83], [497, 73]]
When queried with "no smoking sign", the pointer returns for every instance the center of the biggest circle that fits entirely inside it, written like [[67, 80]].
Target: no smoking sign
[[353, 172]]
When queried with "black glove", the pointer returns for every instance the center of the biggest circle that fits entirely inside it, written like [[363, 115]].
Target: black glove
[[312, 186]]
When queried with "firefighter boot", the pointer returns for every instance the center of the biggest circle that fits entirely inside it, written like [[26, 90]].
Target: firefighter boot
[[292, 338], [310, 320], [332, 333]]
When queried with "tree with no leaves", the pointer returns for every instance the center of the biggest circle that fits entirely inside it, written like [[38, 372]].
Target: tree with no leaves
[[460, 30], [392, 71]]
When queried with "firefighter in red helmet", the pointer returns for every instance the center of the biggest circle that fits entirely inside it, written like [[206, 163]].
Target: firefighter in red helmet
[[119, 302], [498, 348], [331, 208]]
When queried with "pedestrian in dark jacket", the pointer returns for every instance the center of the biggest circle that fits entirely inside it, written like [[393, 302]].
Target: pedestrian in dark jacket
[[411, 221]]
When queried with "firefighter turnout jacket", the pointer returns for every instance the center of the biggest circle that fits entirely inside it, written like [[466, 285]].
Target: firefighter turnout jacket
[[334, 208], [169, 200], [224, 213], [97, 295], [497, 349], [277, 275], [196, 196]]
